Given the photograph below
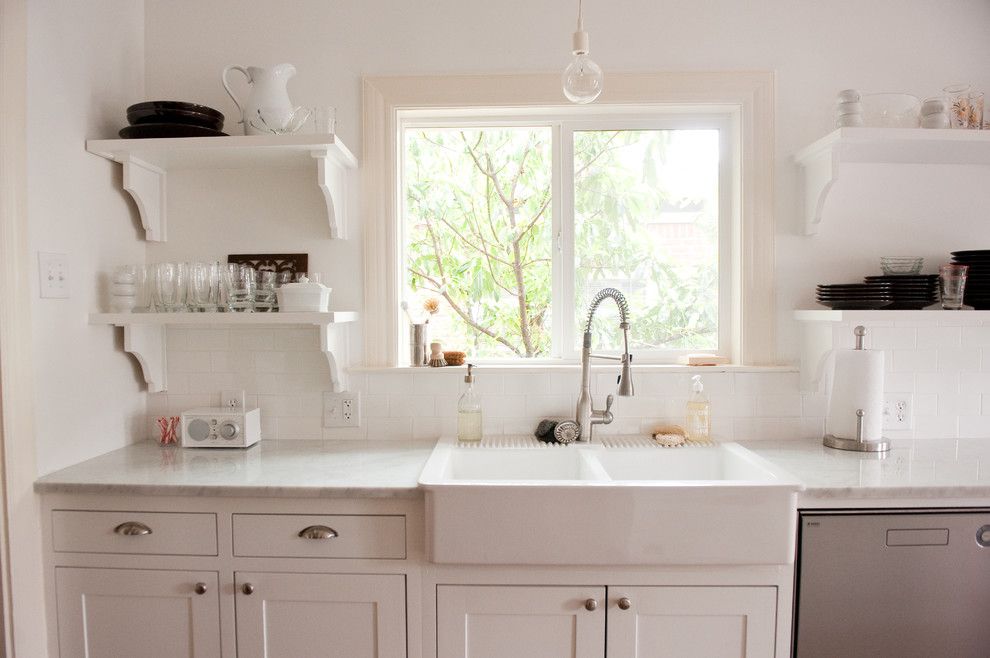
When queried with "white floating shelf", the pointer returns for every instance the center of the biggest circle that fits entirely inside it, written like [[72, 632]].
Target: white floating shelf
[[822, 162], [147, 162], [144, 335]]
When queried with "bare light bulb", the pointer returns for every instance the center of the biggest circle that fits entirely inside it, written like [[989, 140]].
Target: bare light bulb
[[583, 80]]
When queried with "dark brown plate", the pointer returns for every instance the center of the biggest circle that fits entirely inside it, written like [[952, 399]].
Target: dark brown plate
[[153, 130], [176, 105], [174, 116]]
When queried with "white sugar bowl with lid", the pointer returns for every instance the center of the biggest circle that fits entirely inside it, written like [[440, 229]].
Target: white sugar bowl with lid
[[303, 296]]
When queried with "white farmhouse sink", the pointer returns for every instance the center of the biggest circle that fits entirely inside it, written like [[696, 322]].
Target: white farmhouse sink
[[594, 505]]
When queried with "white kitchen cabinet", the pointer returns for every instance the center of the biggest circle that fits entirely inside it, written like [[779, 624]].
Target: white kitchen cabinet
[[691, 622], [501, 621], [106, 613], [654, 622], [283, 615]]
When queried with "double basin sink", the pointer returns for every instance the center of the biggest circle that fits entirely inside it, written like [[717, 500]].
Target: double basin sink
[[627, 503]]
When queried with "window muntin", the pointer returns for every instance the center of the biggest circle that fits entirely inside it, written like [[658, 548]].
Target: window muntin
[[676, 177]]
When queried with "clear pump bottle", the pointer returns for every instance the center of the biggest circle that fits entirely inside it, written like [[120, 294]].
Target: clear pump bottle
[[698, 413], [469, 411]]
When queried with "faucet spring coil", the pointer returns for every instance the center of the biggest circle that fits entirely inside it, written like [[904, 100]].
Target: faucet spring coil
[[603, 294]]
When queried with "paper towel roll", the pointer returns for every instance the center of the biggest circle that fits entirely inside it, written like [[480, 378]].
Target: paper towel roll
[[857, 383]]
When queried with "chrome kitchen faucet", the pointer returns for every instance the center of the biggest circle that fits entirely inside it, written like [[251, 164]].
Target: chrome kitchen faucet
[[587, 415]]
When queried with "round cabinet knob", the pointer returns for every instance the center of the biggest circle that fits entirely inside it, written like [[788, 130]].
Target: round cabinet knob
[[200, 588], [591, 605], [198, 429], [983, 536], [229, 430], [625, 603], [247, 588]]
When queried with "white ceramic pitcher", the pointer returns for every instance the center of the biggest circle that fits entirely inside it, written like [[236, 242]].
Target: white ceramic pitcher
[[268, 93]]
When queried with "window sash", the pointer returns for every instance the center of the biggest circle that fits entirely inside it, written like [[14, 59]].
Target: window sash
[[563, 270]]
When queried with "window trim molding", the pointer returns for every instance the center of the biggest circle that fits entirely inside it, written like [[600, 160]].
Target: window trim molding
[[751, 92]]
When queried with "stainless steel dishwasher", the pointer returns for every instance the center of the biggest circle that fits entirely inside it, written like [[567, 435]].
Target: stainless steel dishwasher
[[898, 583]]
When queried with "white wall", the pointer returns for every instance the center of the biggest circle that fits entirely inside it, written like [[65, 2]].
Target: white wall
[[815, 48], [85, 65]]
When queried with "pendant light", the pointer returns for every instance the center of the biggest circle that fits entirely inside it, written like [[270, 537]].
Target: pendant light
[[583, 79]]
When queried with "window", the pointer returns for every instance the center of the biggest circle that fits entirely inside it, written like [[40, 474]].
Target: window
[[677, 212], [511, 224]]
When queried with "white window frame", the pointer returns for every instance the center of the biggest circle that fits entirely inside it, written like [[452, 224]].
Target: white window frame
[[563, 123], [744, 98]]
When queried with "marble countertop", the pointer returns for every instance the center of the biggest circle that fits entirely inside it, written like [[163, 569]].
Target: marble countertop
[[927, 471], [296, 469], [915, 473]]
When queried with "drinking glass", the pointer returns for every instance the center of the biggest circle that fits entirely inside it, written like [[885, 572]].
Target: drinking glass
[[204, 287], [241, 281], [264, 294], [952, 280], [171, 285], [958, 101], [975, 118], [144, 292], [324, 120]]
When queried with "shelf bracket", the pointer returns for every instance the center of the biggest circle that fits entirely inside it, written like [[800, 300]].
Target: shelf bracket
[[146, 183], [147, 343], [330, 179], [333, 343], [820, 169]]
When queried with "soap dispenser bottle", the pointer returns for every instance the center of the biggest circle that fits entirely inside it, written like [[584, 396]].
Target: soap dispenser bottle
[[698, 413], [469, 411]]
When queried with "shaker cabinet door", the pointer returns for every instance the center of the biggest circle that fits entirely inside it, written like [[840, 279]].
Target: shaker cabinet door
[[108, 613], [289, 615], [484, 621], [691, 622]]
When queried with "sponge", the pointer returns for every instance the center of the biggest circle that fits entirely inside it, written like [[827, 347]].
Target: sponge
[[544, 431]]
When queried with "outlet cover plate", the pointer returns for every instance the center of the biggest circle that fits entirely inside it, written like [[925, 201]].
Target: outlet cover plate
[[53, 275], [898, 411], [232, 399], [341, 409]]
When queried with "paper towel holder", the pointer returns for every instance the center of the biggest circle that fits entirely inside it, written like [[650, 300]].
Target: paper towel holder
[[858, 444]]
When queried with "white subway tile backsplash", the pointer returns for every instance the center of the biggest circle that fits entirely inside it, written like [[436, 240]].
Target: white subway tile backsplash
[[944, 366], [959, 359], [787, 405]]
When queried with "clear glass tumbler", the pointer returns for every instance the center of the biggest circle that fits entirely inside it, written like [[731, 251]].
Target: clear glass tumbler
[[172, 279], [264, 294], [241, 283], [952, 280], [204, 287], [958, 101]]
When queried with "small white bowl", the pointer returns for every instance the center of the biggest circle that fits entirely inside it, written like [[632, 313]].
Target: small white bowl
[[848, 96], [848, 108], [850, 121], [892, 110]]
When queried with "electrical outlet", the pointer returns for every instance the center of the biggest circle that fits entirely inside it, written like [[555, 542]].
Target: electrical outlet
[[341, 409], [53, 273], [898, 412], [232, 399]]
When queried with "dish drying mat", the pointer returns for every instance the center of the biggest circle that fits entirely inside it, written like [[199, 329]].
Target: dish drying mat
[[532, 443]]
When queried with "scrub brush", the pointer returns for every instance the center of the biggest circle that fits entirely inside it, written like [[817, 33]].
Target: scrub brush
[[669, 436]]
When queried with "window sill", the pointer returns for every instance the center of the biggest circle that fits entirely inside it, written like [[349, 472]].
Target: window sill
[[666, 368]]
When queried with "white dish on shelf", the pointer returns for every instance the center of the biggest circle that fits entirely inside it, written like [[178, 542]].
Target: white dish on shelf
[[891, 110]]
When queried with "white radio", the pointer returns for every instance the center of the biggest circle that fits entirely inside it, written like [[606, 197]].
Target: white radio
[[218, 427]]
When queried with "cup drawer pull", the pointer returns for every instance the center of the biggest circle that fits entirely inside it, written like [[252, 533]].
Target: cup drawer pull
[[318, 532], [132, 528]]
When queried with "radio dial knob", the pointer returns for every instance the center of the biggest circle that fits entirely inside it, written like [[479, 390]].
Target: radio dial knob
[[229, 430]]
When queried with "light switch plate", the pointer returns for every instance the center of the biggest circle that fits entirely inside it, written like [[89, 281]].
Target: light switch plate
[[53, 275]]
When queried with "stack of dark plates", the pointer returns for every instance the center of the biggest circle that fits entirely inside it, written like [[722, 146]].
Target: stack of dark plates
[[910, 291], [171, 119], [854, 296], [977, 292]]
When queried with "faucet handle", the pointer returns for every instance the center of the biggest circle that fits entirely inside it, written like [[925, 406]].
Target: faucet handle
[[607, 416]]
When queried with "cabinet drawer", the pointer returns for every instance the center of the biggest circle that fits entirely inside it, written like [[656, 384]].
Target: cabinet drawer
[[356, 536], [159, 533]]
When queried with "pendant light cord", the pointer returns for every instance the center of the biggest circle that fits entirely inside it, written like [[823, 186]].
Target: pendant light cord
[[580, 25]]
